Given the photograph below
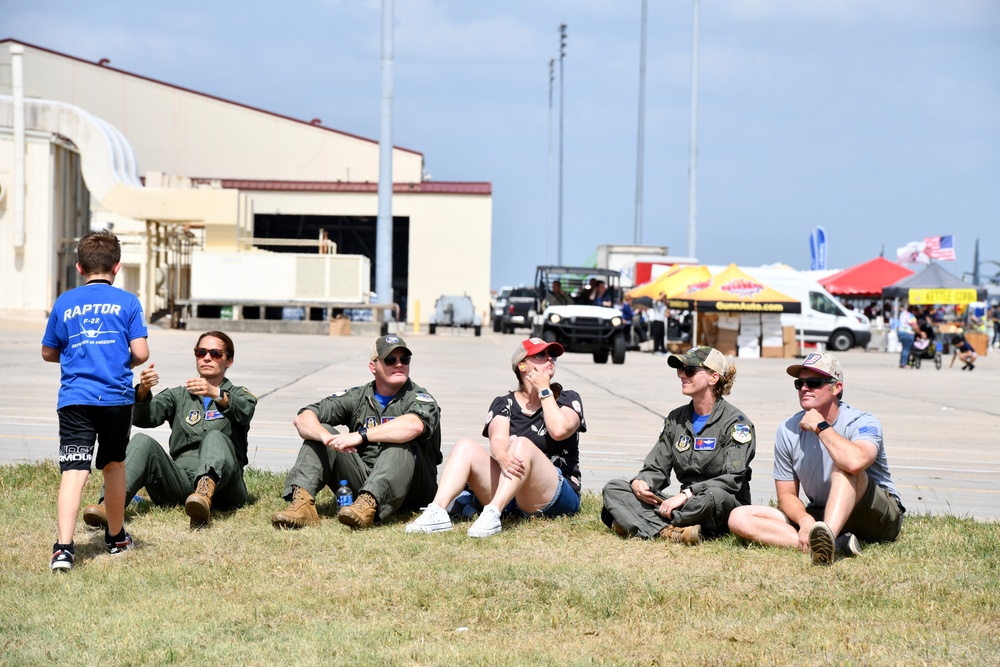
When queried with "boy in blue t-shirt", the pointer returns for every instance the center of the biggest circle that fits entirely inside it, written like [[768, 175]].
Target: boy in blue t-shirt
[[97, 334]]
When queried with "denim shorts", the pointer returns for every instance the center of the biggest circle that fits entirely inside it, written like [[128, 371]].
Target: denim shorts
[[563, 503]]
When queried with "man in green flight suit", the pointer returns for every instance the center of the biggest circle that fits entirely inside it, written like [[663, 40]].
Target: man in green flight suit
[[209, 419], [389, 456]]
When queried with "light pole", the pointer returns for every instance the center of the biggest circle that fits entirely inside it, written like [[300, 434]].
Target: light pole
[[693, 156], [642, 128], [562, 56], [548, 170]]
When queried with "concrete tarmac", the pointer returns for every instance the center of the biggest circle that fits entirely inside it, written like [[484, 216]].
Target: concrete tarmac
[[942, 427]]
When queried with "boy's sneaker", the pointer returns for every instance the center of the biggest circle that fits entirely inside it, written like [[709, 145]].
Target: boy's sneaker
[[119, 544], [821, 543], [847, 546], [487, 524], [62, 558], [433, 520]]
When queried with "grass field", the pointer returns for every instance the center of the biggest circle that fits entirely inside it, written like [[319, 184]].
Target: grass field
[[541, 592]]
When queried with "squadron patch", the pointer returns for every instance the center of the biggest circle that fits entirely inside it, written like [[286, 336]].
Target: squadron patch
[[741, 433], [193, 417], [370, 422], [683, 443], [339, 393], [704, 444], [424, 398]]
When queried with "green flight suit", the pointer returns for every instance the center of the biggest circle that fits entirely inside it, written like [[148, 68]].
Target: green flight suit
[[714, 465], [201, 440], [397, 475]]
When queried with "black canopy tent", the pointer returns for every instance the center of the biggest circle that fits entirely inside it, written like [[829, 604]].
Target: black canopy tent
[[934, 283]]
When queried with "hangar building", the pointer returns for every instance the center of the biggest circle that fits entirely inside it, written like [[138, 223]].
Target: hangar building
[[214, 200]]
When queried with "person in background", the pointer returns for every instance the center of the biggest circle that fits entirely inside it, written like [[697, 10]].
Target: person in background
[[964, 351], [905, 330], [658, 317]]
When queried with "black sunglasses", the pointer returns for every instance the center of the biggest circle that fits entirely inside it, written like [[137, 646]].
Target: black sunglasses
[[200, 352], [392, 359], [690, 371], [812, 383], [541, 357]]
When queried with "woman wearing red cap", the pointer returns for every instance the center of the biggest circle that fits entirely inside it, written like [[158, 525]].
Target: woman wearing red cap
[[533, 464]]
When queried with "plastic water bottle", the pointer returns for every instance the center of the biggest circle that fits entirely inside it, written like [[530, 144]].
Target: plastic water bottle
[[344, 495]]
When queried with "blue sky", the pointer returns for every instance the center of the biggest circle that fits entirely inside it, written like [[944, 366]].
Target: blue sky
[[879, 121]]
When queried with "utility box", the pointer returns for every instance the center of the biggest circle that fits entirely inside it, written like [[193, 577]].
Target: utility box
[[273, 276]]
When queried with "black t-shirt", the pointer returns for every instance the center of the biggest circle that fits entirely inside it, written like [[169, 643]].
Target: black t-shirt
[[564, 454]]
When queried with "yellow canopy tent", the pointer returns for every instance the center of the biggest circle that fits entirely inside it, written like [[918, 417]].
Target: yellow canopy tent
[[733, 291], [674, 282]]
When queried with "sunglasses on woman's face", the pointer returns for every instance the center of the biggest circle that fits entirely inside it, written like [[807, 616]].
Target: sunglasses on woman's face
[[812, 383], [541, 357], [689, 371], [200, 352]]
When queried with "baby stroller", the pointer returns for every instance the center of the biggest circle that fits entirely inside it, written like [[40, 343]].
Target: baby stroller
[[924, 349]]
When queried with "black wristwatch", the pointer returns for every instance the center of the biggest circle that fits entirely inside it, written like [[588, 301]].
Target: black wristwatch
[[363, 432], [822, 426]]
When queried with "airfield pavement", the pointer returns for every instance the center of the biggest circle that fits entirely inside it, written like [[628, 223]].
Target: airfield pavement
[[942, 427]]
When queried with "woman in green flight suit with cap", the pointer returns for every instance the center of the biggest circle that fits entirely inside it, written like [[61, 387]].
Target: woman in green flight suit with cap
[[707, 443]]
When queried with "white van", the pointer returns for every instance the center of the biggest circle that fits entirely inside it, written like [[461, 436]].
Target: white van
[[823, 318]]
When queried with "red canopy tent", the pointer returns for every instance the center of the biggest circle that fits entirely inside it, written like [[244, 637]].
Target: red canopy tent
[[865, 280]]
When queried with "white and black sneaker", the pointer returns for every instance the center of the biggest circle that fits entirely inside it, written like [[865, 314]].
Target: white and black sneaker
[[118, 544], [62, 557], [821, 544]]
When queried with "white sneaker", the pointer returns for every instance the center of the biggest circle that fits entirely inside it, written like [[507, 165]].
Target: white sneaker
[[487, 524], [433, 520]]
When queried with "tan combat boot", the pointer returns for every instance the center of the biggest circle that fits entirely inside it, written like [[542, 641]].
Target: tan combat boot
[[299, 514], [198, 505], [361, 514], [690, 535], [95, 516]]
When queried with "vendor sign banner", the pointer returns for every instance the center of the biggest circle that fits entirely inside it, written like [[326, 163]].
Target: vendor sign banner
[[939, 296]]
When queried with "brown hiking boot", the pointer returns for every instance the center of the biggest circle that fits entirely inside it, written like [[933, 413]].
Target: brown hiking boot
[[361, 514], [690, 535], [299, 514], [95, 516], [617, 528], [198, 505]]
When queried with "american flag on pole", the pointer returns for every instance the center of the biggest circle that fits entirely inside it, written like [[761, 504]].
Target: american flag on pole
[[940, 247]]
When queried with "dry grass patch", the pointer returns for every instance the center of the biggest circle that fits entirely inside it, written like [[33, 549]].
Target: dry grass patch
[[541, 592]]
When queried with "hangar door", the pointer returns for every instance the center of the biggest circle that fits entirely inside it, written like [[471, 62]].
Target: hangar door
[[354, 235]]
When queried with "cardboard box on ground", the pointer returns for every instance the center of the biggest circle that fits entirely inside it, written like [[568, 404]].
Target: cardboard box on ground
[[749, 335], [340, 326]]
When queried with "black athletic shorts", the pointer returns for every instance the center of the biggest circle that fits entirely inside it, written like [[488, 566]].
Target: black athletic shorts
[[81, 426]]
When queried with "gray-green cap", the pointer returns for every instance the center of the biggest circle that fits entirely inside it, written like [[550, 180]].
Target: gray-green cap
[[702, 355], [384, 345]]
